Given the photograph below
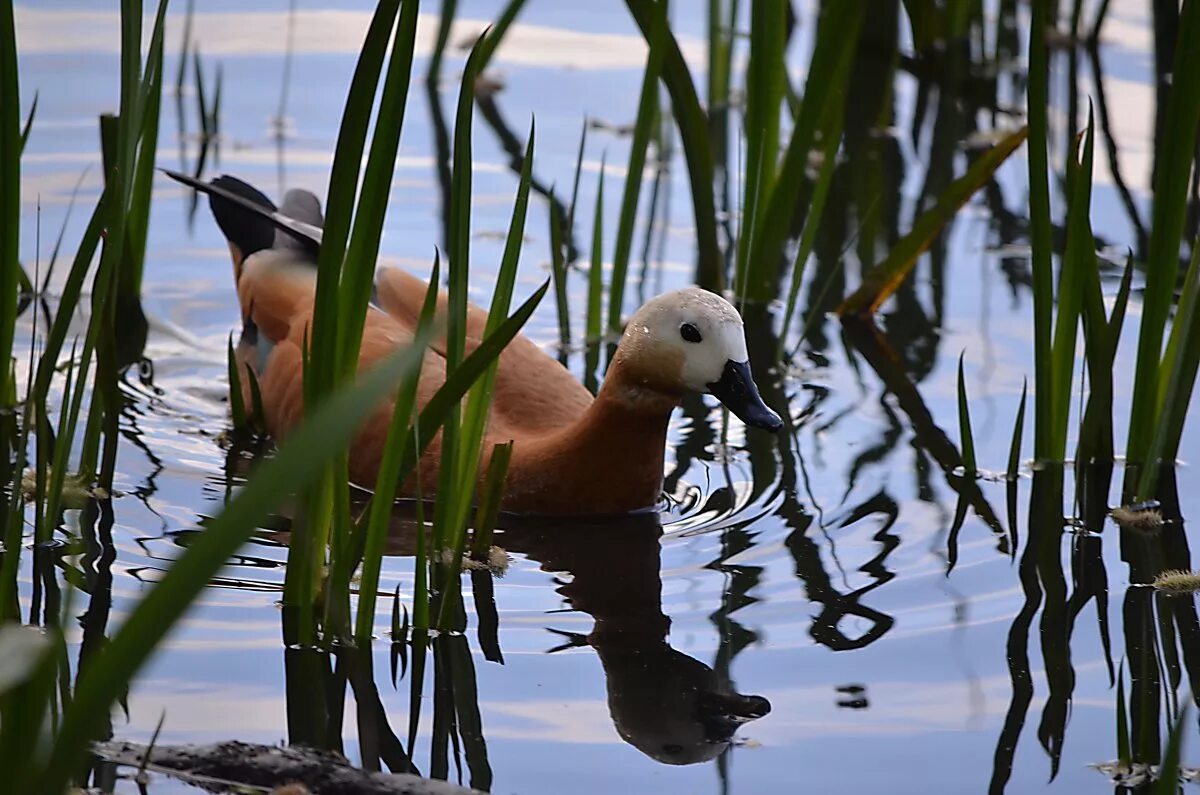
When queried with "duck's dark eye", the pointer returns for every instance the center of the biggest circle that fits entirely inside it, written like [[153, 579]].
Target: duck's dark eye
[[689, 332]]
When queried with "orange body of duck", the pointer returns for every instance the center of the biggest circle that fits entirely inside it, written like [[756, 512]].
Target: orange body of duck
[[572, 454]]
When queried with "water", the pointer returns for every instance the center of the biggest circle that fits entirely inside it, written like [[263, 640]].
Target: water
[[809, 570]]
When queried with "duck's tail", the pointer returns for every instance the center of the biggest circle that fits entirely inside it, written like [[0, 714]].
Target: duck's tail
[[251, 222]]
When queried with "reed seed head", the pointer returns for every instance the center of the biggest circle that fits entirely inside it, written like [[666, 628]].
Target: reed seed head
[[1141, 520], [1177, 581]]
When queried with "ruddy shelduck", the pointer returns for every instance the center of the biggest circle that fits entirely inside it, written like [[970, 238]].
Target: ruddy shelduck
[[572, 454]]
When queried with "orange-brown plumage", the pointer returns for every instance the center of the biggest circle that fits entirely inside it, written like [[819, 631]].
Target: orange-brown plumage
[[572, 454]]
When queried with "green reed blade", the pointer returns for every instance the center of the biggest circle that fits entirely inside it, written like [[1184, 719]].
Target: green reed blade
[[201, 103], [1041, 245], [215, 114], [1168, 772], [445, 21], [1078, 265], [257, 416], [10, 195], [421, 567], [449, 510], [697, 146], [359, 269], [595, 295], [459, 243], [439, 407], [964, 424], [830, 129], [327, 506], [824, 95], [765, 79], [301, 459], [62, 233], [61, 449], [379, 518], [28, 128], [479, 400], [498, 30], [489, 503], [237, 407], [575, 184], [340, 201], [150, 101], [924, 17], [646, 116], [720, 56], [1102, 334], [69, 299], [1173, 168], [558, 273], [1116, 319], [1014, 447], [1177, 378], [186, 39], [883, 279]]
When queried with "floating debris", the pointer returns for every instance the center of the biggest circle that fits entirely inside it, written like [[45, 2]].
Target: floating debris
[[1135, 774], [1133, 517], [497, 562], [1177, 581], [75, 490]]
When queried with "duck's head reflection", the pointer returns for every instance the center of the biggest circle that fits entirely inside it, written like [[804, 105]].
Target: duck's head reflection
[[670, 706]]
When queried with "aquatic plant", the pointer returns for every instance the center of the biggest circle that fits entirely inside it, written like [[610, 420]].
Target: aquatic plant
[[1177, 581]]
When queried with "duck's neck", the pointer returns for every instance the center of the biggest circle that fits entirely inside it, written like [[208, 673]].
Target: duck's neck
[[610, 461]]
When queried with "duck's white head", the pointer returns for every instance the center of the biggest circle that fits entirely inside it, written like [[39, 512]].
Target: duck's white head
[[691, 340]]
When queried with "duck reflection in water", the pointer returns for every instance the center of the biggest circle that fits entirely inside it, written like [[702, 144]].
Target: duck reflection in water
[[671, 707]]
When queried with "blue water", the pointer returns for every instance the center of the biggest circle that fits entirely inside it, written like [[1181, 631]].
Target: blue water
[[824, 590]]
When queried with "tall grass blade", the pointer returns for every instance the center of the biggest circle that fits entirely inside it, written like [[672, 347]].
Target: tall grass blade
[[883, 279], [1173, 167], [237, 406], [1078, 263], [765, 81], [1177, 378], [340, 202], [363, 250], [646, 117], [1040, 226], [301, 458], [498, 29], [970, 469], [820, 112], [697, 146], [380, 514], [595, 294], [28, 128], [325, 523], [10, 196], [575, 183], [830, 129], [1168, 772], [438, 409], [489, 503], [558, 274], [1014, 447]]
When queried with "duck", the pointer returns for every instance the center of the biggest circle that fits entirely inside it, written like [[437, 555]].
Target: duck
[[572, 453]]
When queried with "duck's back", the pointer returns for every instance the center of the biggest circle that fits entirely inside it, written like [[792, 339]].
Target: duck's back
[[533, 393]]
